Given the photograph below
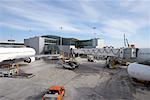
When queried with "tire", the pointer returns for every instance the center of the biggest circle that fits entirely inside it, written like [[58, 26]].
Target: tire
[[64, 93]]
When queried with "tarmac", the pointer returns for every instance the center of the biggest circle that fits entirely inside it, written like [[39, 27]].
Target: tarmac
[[91, 81]]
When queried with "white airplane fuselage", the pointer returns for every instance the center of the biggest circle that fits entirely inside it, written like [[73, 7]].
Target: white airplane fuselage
[[141, 69], [14, 53]]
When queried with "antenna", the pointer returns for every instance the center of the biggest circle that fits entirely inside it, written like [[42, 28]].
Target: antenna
[[124, 40], [127, 42], [94, 32], [61, 37]]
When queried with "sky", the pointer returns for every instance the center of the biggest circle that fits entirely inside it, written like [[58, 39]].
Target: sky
[[81, 19]]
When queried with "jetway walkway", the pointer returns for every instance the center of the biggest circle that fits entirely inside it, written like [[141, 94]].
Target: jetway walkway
[[100, 52], [110, 54]]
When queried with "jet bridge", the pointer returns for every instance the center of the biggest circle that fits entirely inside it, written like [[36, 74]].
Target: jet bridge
[[110, 54]]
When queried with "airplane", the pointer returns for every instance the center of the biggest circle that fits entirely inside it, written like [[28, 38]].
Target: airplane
[[10, 55], [140, 69]]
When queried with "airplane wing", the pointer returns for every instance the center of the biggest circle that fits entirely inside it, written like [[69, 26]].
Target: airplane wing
[[21, 58], [39, 56], [26, 54]]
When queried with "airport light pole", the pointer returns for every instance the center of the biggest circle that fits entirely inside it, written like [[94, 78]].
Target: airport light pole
[[61, 52], [61, 37], [94, 31], [29, 30]]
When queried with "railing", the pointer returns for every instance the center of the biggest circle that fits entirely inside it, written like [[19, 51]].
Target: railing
[[100, 51]]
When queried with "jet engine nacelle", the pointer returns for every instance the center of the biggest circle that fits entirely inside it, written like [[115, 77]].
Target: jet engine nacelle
[[30, 60], [139, 71]]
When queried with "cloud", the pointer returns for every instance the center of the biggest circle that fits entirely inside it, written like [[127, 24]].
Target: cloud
[[116, 28], [89, 10], [113, 18], [45, 19]]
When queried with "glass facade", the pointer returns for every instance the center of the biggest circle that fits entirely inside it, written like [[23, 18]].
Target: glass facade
[[51, 41], [51, 44], [84, 43], [69, 41], [51, 49]]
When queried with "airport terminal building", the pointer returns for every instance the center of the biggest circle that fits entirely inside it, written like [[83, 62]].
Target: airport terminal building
[[11, 43], [51, 44]]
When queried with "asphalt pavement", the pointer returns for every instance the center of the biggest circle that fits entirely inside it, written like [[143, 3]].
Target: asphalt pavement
[[91, 81]]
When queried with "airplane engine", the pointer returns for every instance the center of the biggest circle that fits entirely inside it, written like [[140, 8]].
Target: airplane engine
[[30, 60], [139, 71]]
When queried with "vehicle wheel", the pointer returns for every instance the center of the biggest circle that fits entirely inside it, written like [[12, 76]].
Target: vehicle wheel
[[64, 93], [63, 66], [112, 64], [77, 66]]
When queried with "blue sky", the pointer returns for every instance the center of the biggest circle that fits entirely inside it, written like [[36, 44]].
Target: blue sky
[[21, 19]]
